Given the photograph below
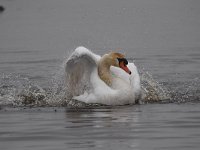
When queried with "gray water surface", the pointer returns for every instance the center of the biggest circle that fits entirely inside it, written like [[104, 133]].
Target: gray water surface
[[140, 127]]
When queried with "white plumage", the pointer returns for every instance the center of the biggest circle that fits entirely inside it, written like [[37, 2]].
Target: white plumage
[[85, 85]]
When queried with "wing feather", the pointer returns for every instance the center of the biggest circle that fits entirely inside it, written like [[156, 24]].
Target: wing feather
[[133, 79], [78, 69]]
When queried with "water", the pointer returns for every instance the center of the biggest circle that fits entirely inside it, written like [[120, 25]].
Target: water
[[161, 37], [153, 126]]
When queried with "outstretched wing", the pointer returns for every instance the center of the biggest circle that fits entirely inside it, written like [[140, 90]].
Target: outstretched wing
[[78, 69]]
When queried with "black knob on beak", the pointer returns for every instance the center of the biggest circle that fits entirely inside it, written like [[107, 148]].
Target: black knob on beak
[[123, 60]]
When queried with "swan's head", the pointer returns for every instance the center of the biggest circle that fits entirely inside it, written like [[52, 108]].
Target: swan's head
[[119, 60]]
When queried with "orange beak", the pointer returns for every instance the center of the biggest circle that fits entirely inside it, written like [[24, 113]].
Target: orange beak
[[124, 67]]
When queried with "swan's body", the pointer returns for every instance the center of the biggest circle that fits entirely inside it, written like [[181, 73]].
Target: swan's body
[[94, 79]]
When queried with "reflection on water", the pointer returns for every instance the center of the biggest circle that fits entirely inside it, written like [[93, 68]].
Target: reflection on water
[[153, 126], [104, 128]]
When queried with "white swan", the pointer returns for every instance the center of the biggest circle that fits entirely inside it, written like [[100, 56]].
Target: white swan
[[109, 79]]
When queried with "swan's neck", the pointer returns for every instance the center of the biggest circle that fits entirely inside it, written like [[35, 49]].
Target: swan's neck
[[104, 70]]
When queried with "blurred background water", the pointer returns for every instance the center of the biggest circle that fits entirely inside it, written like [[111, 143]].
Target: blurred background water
[[161, 37]]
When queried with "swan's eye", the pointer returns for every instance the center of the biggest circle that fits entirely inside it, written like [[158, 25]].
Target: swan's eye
[[124, 60]]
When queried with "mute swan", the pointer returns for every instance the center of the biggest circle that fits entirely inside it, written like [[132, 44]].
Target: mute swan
[[108, 80]]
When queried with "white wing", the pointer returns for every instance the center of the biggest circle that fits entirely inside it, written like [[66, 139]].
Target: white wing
[[133, 80], [78, 70], [84, 84]]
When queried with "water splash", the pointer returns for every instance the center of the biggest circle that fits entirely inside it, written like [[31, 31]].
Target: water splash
[[188, 91], [152, 90], [19, 90]]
